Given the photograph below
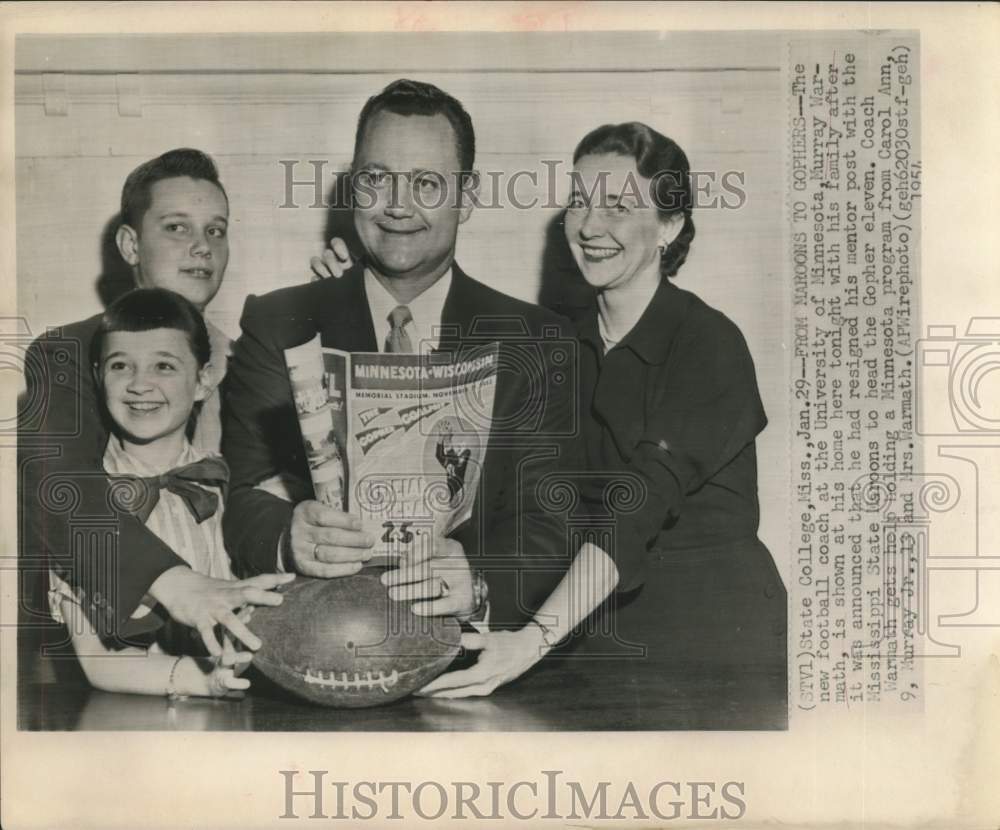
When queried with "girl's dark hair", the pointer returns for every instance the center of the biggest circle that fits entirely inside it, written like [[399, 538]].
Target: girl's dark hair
[[659, 159], [145, 309]]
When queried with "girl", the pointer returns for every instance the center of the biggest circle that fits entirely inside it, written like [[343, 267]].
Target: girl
[[150, 356]]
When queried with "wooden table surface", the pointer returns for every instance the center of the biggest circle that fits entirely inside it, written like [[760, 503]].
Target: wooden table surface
[[558, 694]]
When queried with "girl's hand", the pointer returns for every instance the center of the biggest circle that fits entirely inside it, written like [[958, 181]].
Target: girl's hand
[[216, 676], [224, 679], [212, 676], [503, 656], [203, 602], [223, 672]]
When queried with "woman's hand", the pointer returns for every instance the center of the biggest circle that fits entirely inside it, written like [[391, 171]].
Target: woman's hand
[[335, 262], [503, 656], [442, 581], [203, 602]]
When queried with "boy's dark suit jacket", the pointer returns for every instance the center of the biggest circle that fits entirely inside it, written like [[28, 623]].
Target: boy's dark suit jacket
[[66, 516], [521, 547]]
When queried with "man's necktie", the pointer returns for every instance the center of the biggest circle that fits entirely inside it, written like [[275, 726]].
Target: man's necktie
[[182, 481], [398, 340]]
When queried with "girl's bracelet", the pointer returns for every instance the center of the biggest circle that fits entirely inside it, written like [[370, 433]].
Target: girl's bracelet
[[172, 692], [549, 637]]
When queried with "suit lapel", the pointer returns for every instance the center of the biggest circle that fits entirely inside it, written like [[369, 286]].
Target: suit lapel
[[460, 308], [345, 319], [464, 303]]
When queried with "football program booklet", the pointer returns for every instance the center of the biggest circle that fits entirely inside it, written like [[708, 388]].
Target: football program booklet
[[395, 439]]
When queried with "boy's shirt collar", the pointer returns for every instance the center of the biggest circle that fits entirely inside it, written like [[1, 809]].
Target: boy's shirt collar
[[221, 346]]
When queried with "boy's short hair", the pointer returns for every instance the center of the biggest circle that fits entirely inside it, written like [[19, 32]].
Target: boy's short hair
[[145, 309], [184, 161]]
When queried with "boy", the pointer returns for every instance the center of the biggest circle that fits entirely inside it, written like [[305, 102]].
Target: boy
[[174, 214], [151, 361]]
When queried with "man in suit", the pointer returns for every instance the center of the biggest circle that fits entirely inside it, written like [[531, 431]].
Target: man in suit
[[413, 186], [174, 235]]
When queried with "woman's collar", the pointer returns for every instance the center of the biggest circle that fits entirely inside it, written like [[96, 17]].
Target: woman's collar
[[651, 337]]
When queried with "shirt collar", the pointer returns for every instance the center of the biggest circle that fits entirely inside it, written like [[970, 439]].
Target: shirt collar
[[426, 308], [650, 338], [221, 348], [605, 337], [119, 461]]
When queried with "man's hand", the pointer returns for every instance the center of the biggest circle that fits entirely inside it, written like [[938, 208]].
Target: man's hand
[[335, 262], [325, 542], [202, 602], [443, 581]]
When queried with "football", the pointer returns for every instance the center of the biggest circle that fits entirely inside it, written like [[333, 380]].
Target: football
[[343, 642]]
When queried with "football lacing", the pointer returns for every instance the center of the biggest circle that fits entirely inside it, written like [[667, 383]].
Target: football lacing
[[367, 680]]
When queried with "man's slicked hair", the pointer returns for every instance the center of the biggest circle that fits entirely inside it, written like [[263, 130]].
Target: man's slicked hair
[[405, 97], [184, 161]]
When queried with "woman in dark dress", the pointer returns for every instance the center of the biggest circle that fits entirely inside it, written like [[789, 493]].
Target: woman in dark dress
[[670, 409]]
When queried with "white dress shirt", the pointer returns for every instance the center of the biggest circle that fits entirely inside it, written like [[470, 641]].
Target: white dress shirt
[[425, 328]]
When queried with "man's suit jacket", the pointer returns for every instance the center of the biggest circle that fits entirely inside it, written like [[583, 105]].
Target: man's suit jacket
[[522, 548], [67, 519]]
